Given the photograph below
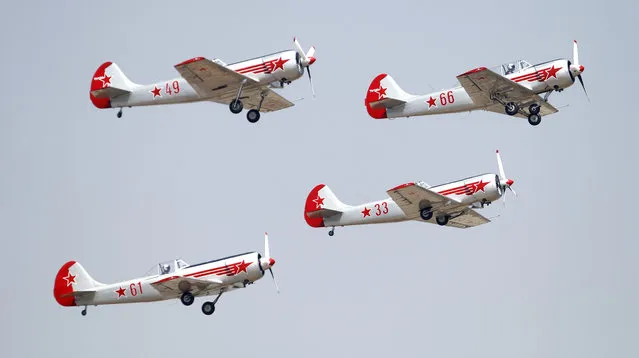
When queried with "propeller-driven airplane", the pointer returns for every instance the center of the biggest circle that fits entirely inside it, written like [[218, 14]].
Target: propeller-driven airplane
[[173, 279], [244, 84], [448, 204], [513, 88]]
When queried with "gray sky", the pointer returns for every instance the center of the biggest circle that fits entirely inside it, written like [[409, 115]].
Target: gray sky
[[554, 276]]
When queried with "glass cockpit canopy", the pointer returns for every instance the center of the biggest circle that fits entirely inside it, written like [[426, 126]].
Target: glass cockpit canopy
[[512, 67], [167, 267]]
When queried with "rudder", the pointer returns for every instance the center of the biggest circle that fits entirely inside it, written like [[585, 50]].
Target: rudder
[[321, 202], [383, 93], [72, 277], [108, 82]]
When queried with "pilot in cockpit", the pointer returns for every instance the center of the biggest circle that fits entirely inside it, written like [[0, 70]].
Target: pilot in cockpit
[[510, 68], [164, 269]]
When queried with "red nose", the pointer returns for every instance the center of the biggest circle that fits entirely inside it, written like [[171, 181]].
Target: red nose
[[311, 60], [581, 68], [271, 262], [510, 182]]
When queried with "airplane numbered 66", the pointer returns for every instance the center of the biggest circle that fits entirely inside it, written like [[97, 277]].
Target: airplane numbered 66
[[245, 84], [513, 89], [448, 204], [173, 279]]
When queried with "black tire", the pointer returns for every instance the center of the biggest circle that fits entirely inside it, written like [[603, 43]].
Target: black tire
[[534, 119], [236, 106], [253, 115], [442, 220], [208, 308], [426, 213], [84, 312], [511, 108], [331, 233], [119, 114], [187, 298], [534, 108]]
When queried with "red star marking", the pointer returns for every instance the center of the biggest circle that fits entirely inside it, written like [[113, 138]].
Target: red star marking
[[481, 185], [202, 68], [156, 92], [431, 102], [318, 202], [69, 278], [241, 266], [106, 80], [279, 63], [552, 72], [121, 292], [381, 92], [366, 212]]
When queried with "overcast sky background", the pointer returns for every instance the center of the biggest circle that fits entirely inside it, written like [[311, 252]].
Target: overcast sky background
[[554, 276]]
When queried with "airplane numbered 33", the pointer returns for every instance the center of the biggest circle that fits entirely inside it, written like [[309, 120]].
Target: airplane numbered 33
[[513, 88], [448, 204], [246, 84], [174, 279]]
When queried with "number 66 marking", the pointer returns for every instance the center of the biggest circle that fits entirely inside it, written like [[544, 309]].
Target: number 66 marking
[[445, 98]]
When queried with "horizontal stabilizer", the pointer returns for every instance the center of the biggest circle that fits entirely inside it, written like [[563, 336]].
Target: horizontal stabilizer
[[109, 92], [386, 103], [322, 213]]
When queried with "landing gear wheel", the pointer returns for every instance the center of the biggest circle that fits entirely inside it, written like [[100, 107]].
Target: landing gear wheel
[[426, 213], [534, 119], [236, 106], [120, 113], [511, 108], [331, 232], [253, 115], [208, 308], [534, 108], [442, 220], [84, 311], [187, 298]]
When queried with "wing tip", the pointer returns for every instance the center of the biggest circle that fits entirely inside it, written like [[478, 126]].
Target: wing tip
[[406, 185], [191, 60]]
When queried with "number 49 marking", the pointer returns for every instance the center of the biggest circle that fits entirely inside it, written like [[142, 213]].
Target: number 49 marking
[[172, 88]]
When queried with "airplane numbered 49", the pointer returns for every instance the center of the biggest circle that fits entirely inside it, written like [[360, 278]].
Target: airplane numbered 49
[[449, 204], [513, 88], [239, 85], [174, 279]]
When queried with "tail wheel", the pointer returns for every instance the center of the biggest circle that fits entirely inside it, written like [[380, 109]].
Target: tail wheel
[[534, 108], [442, 220], [253, 115], [187, 298], [511, 108], [426, 213], [236, 106], [208, 308], [534, 119]]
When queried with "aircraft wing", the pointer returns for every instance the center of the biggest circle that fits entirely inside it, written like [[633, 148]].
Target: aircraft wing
[[482, 85], [174, 283], [220, 84], [411, 197]]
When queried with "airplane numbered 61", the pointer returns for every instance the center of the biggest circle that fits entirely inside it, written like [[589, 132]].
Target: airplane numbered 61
[[173, 279], [448, 204], [513, 89], [245, 84]]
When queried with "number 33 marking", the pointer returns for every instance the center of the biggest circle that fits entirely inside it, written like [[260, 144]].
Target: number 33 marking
[[381, 209]]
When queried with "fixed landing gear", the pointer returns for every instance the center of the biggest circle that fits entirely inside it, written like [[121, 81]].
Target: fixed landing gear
[[187, 298], [120, 113], [426, 213], [511, 108], [442, 220], [84, 311], [253, 115], [534, 119], [236, 106], [209, 307], [332, 231]]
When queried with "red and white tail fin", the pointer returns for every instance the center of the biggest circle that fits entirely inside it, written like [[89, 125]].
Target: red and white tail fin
[[320, 203], [384, 93], [109, 82], [71, 278]]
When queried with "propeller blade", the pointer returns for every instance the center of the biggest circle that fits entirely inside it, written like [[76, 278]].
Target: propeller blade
[[267, 252], [274, 281], [501, 167], [310, 52], [584, 87], [299, 50], [308, 70], [575, 54], [511, 189]]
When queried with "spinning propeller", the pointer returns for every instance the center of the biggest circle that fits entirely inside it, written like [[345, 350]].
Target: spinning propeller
[[504, 182], [267, 262], [306, 60], [576, 68]]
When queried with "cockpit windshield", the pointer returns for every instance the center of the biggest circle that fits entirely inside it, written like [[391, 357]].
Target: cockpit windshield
[[167, 267], [514, 66]]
